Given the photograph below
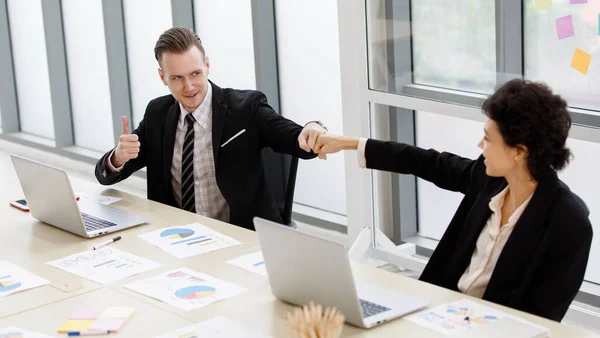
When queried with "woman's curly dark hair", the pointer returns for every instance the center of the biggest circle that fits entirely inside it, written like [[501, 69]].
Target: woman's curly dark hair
[[528, 113]]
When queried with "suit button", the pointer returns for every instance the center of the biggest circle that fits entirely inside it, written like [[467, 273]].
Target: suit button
[[197, 182]]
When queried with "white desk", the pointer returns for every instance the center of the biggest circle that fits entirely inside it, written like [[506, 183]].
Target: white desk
[[29, 244]]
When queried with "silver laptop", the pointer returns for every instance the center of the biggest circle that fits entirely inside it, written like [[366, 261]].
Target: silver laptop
[[51, 200], [304, 268]]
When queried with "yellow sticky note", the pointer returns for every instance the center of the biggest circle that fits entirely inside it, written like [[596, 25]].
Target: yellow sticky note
[[543, 4], [581, 61], [117, 312], [75, 325]]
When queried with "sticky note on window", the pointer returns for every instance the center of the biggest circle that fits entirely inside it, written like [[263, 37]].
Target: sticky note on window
[[543, 4], [75, 325], [564, 27], [578, 2], [581, 61]]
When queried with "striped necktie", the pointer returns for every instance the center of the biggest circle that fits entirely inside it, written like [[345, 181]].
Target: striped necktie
[[188, 195]]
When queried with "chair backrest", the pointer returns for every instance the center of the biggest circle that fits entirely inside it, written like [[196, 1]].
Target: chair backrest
[[280, 173]]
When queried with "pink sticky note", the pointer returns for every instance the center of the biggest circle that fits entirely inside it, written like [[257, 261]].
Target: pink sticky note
[[107, 324], [564, 27], [578, 1], [86, 313]]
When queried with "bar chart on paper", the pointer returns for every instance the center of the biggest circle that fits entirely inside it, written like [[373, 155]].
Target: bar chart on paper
[[14, 279], [189, 240], [105, 265], [253, 262], [186, 289]]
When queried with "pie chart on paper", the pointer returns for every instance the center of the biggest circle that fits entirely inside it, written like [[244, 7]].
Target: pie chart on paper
[[195, 292], [6, 286], [177, 233]]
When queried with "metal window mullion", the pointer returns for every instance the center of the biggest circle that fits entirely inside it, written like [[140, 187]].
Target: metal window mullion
[[118, 69], [58, 73], [509, 41], [182, 12], [8, 89]]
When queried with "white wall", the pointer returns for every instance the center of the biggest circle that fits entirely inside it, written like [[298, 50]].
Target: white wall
[[437, 206], [310, 89], [225, 28], [142, 32], [88, 74], [31, 67]]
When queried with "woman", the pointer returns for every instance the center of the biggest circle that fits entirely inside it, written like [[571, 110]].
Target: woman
[[520, 237]]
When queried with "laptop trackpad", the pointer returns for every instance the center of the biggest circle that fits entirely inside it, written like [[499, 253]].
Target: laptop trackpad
[[399, 302], [107, 213]]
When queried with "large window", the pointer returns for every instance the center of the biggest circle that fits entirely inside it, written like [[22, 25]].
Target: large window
[[431, 63]]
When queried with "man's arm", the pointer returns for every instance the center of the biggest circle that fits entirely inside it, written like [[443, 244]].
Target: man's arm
[[128, 157], [281, 134]]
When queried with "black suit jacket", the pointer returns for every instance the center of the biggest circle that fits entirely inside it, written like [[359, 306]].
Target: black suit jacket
[[543, 262], [239, 167]]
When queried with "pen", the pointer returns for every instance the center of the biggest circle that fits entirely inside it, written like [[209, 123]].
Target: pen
[[468, 317], [103, 244], [87, 333]]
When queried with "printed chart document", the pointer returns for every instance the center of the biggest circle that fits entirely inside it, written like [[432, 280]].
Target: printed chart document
[[218, 327], [14, 279], [15, 332], [189, 240], [104, 266], [253, 262], [186, 289], [451, 318]]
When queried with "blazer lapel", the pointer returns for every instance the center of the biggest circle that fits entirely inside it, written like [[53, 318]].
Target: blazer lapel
[[513, 263], [169, 141], [474, 224], [218, 119]]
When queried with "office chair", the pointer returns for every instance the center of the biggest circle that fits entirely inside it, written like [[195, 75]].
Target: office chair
[[280, 173]]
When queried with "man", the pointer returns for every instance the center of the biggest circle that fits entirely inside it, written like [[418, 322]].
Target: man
[[202, 144]]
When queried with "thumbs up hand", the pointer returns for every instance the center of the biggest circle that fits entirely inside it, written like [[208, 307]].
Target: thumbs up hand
[[128, 148]]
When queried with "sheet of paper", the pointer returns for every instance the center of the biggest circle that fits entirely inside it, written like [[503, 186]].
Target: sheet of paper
[[581, 61], [449, 318], [578, 1], [15, 332], [189, 240], [543, 4], [75, 325], [14, 279], [186, 289], [564, 27], [218, 327], [253, 262], [104, 266]]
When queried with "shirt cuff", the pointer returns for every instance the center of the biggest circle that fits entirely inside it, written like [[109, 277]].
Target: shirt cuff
[[110, 166], [360, 152]]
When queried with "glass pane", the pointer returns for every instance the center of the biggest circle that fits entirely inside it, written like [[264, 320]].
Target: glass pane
[[88, 74], [225, 28], [551, 38], [437, 206], [31, 67], [452, 45]]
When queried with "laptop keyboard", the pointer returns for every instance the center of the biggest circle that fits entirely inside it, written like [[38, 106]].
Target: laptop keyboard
[[94, 223], [370, 309]]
